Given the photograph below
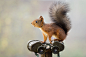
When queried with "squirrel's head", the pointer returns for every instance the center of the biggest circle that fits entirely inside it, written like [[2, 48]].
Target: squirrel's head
[[38, 22]]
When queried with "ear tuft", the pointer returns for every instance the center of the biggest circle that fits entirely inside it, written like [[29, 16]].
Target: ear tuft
[[41, 18]]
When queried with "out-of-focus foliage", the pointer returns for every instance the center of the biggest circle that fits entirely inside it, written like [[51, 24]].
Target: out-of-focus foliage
[[16, 29]]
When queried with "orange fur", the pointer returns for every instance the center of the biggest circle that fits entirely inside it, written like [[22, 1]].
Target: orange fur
[[49, 30]]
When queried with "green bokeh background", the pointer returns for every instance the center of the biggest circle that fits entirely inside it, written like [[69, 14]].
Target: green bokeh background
[[16, 29]]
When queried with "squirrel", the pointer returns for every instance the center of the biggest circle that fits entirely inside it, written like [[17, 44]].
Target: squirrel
[[61, 22]]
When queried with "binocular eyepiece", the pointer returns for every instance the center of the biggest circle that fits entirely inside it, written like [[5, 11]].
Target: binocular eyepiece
[[38, 47], [55, 50], [41, 49]]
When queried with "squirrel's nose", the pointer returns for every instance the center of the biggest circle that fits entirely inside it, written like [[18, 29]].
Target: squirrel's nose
[[31, 23]]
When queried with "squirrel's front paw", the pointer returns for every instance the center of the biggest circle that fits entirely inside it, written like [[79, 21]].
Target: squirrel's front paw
[[51, 42], [42, 42]]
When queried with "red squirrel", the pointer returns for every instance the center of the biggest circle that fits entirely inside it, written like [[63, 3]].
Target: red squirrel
[[61, 23]]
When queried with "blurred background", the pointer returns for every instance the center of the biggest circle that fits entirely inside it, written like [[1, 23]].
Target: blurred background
[[16, 29]]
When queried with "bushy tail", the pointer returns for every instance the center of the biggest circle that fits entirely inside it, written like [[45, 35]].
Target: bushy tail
[[58, 13]]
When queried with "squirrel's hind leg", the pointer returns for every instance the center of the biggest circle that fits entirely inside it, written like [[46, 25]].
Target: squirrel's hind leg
[[58, 36]]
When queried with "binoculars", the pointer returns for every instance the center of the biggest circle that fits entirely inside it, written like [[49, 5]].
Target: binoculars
[[38, 47]]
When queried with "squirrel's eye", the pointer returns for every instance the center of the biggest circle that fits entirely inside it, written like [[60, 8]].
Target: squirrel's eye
[[36, 21]]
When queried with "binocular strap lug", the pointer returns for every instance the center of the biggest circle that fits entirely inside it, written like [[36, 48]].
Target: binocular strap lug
[[58, 55], [36, 54]]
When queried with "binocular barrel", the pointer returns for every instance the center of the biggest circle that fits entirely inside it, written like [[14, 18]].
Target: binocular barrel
[[57, 47], [38, 47]]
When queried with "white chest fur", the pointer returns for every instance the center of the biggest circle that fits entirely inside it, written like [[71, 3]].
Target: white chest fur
[[43, 32], [47, 34]]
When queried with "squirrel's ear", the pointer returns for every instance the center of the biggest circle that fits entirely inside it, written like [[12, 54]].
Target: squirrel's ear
[[41, 18]]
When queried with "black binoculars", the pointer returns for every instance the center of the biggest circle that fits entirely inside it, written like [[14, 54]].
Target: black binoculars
[[38, 47]]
